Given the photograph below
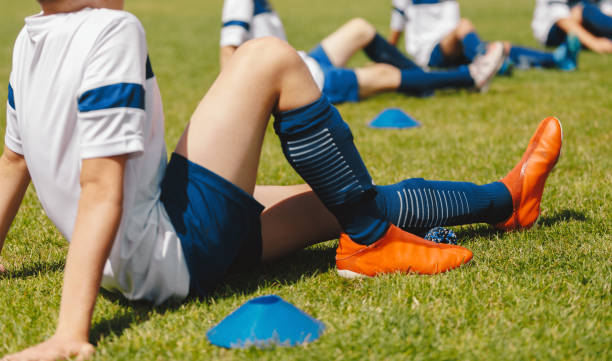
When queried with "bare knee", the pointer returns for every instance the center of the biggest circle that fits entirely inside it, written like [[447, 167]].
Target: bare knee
[[268, 54], [362, 28], [464, 27], [576, 13]]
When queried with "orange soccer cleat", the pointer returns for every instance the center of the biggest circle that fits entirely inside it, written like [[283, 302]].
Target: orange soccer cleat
[[397, 251], [526, 181]]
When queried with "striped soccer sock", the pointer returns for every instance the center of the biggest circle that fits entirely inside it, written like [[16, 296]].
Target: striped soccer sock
[[418, 205], [319, 146]]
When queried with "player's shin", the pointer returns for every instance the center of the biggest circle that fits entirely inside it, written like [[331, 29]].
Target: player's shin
[[319, 145]]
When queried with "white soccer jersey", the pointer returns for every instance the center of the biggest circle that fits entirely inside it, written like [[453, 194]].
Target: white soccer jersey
[[82, 87], [424, 23], [249, 19], [546, 14]]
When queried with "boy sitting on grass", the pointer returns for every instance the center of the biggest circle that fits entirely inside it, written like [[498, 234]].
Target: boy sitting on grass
[[390, 71], [85, 125], [590, 21], [437, 36]]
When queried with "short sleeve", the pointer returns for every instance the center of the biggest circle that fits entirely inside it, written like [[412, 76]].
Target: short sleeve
[[237, 17], [111, 99], [12, 138], [398, 15], [558, 9]]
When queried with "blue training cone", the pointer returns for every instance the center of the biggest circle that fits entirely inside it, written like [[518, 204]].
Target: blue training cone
[[265, 321], [394, 118]]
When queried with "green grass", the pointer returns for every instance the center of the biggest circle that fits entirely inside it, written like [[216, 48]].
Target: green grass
[[540, 294]]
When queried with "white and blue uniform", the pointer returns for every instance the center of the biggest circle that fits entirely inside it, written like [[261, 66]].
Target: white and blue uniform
[[82, 87], [424, 23], [546, 15], [595, 19], [244, 20]]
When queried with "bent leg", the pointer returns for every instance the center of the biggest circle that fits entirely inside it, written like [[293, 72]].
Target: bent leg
[[462, 42], [226, 130], [351, 37]]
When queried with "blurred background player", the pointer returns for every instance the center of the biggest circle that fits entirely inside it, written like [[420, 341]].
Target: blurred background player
[[590, 21], [245, 20], [437, 36], [392, 71]]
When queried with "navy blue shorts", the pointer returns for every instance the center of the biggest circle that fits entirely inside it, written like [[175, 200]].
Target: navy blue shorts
[[340, 83], [219, 224], [556, 36]]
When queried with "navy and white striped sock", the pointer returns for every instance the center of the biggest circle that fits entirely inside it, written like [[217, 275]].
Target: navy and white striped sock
[[419, 205], [319, 146]]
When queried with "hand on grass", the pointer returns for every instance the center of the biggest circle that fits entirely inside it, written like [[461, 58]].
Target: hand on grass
[[55, 348], [2, 269]]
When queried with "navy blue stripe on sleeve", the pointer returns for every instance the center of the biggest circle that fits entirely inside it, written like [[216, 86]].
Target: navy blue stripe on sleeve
[[422, 2], [399, 11], [149, 69], [122, 95], [11, 97], [243, 24]]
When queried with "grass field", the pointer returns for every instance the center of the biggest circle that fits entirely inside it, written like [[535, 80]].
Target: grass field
[[540, 294]]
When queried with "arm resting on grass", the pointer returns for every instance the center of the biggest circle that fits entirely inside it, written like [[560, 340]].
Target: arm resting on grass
[[14, 180], [597, 44], [394, 37], [98, 217], [226, 53]]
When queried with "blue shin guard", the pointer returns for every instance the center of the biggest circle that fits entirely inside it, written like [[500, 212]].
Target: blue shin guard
[[319, 146], [380, 50]]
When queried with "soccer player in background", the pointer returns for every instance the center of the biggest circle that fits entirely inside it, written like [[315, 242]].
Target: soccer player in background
[[391, 71], [243, 20], [437, 36], [590, 21], [85, 126]]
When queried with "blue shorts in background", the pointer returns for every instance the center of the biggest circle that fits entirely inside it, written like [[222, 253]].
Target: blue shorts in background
[[219, 224], [340, 83]]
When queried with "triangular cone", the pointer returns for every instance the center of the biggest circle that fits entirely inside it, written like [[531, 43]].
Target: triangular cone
[[265, 321], [393, 118]]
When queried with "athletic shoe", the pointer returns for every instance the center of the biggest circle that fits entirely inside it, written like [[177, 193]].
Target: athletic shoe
[[566, 54], [397, 251], [485, 66], [526, 181]]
